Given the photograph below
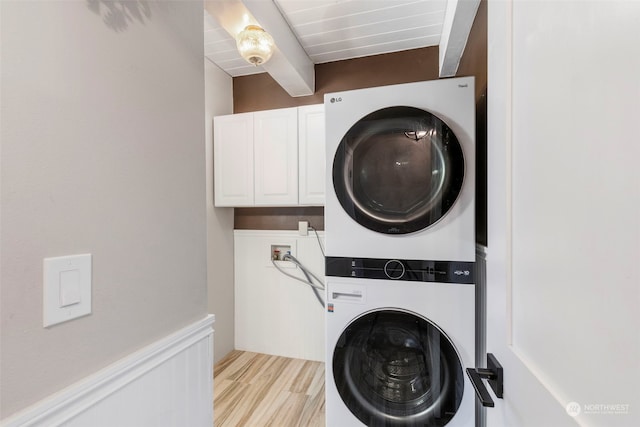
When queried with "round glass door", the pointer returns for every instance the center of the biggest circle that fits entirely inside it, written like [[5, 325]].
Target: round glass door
[[398, 170], [394, 368]]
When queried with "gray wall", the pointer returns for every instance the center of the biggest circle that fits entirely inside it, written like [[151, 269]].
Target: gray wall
[[218, 101], [103, 152]]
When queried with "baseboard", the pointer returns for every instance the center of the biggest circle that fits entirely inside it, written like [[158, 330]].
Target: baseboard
[[168, 383]]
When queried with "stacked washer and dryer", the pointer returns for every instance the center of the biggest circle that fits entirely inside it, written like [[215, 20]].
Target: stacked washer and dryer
[[400, 247]]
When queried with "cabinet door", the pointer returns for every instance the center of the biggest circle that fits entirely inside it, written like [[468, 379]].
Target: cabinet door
[[233, 159], [311, 146], [276, 157]]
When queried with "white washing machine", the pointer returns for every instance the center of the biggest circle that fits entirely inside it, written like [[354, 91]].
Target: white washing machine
[[401, 171], [397, 353]]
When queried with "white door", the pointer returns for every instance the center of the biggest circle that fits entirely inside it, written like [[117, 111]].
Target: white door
[[563, 283], [276, 157]]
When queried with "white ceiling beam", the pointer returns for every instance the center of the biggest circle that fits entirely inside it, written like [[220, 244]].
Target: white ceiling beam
[[292, 68], [289, 66], [458, 21]]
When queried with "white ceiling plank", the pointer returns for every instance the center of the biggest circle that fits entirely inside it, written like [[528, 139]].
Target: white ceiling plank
[[214, 36], [458, 21], [354, 9], [376, 39], [359, 52], [394, 29], [290, 65], [292, 6], [223, 56], [379, 21]]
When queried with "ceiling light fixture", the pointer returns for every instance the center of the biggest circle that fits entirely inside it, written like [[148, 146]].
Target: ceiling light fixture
[[255, 45]]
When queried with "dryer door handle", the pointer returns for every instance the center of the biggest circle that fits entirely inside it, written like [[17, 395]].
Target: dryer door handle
[[346, 295], [494, 374]]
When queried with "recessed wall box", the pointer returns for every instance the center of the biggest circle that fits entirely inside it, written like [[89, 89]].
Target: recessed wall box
[[277, 253]]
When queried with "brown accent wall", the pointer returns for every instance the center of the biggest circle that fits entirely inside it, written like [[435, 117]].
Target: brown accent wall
[[474, 58], [260, 92], [474, 63], [278, 218]]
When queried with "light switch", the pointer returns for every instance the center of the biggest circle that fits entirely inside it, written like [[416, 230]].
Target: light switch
[[67, 288]]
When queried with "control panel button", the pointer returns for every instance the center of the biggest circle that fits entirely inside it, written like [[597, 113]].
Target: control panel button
[[394, 269]]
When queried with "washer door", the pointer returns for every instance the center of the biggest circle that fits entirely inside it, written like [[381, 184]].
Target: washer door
[[398, 170], [394, 368]]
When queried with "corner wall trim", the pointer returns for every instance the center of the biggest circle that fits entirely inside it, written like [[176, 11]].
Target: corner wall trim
[[170, 380]]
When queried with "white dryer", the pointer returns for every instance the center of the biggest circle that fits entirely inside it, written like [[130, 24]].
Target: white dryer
[[401, 171], [397, 353]]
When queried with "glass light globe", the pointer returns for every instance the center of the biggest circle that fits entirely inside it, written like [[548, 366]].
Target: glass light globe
[[255, 45]]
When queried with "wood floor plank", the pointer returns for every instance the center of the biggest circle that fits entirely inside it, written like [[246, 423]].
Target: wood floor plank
[[290, 411], [262, 390], [313, 412], [302, 381], [317, 384], [256, 390], [287, 376], [228, 360], [227, 408], [234, 368], [267, 410]]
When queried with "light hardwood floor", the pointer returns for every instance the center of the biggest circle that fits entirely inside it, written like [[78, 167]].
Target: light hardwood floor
[[252, 389]]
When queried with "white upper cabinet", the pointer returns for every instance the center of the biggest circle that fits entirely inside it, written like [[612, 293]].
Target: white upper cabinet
[[275, 144], [270, 158], [233, 160], [311, 155]]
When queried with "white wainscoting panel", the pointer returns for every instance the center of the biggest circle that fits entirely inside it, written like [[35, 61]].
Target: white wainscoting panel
[[275, 314], [169, 384]]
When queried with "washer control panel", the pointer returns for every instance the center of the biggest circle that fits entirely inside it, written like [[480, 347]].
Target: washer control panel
[[395, 269]]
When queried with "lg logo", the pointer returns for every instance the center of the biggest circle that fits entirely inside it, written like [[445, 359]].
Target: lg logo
[[338, 99]]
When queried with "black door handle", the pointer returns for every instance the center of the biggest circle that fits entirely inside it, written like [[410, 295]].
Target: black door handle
[[494, 374]]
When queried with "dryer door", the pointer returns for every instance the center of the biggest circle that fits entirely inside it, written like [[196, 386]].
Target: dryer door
[[395, 368], [398, 170]]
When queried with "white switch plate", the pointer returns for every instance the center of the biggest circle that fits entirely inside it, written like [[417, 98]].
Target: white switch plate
[[67, 288]]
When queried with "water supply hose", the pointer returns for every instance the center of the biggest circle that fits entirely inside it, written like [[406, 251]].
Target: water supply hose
[[308, 275]]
